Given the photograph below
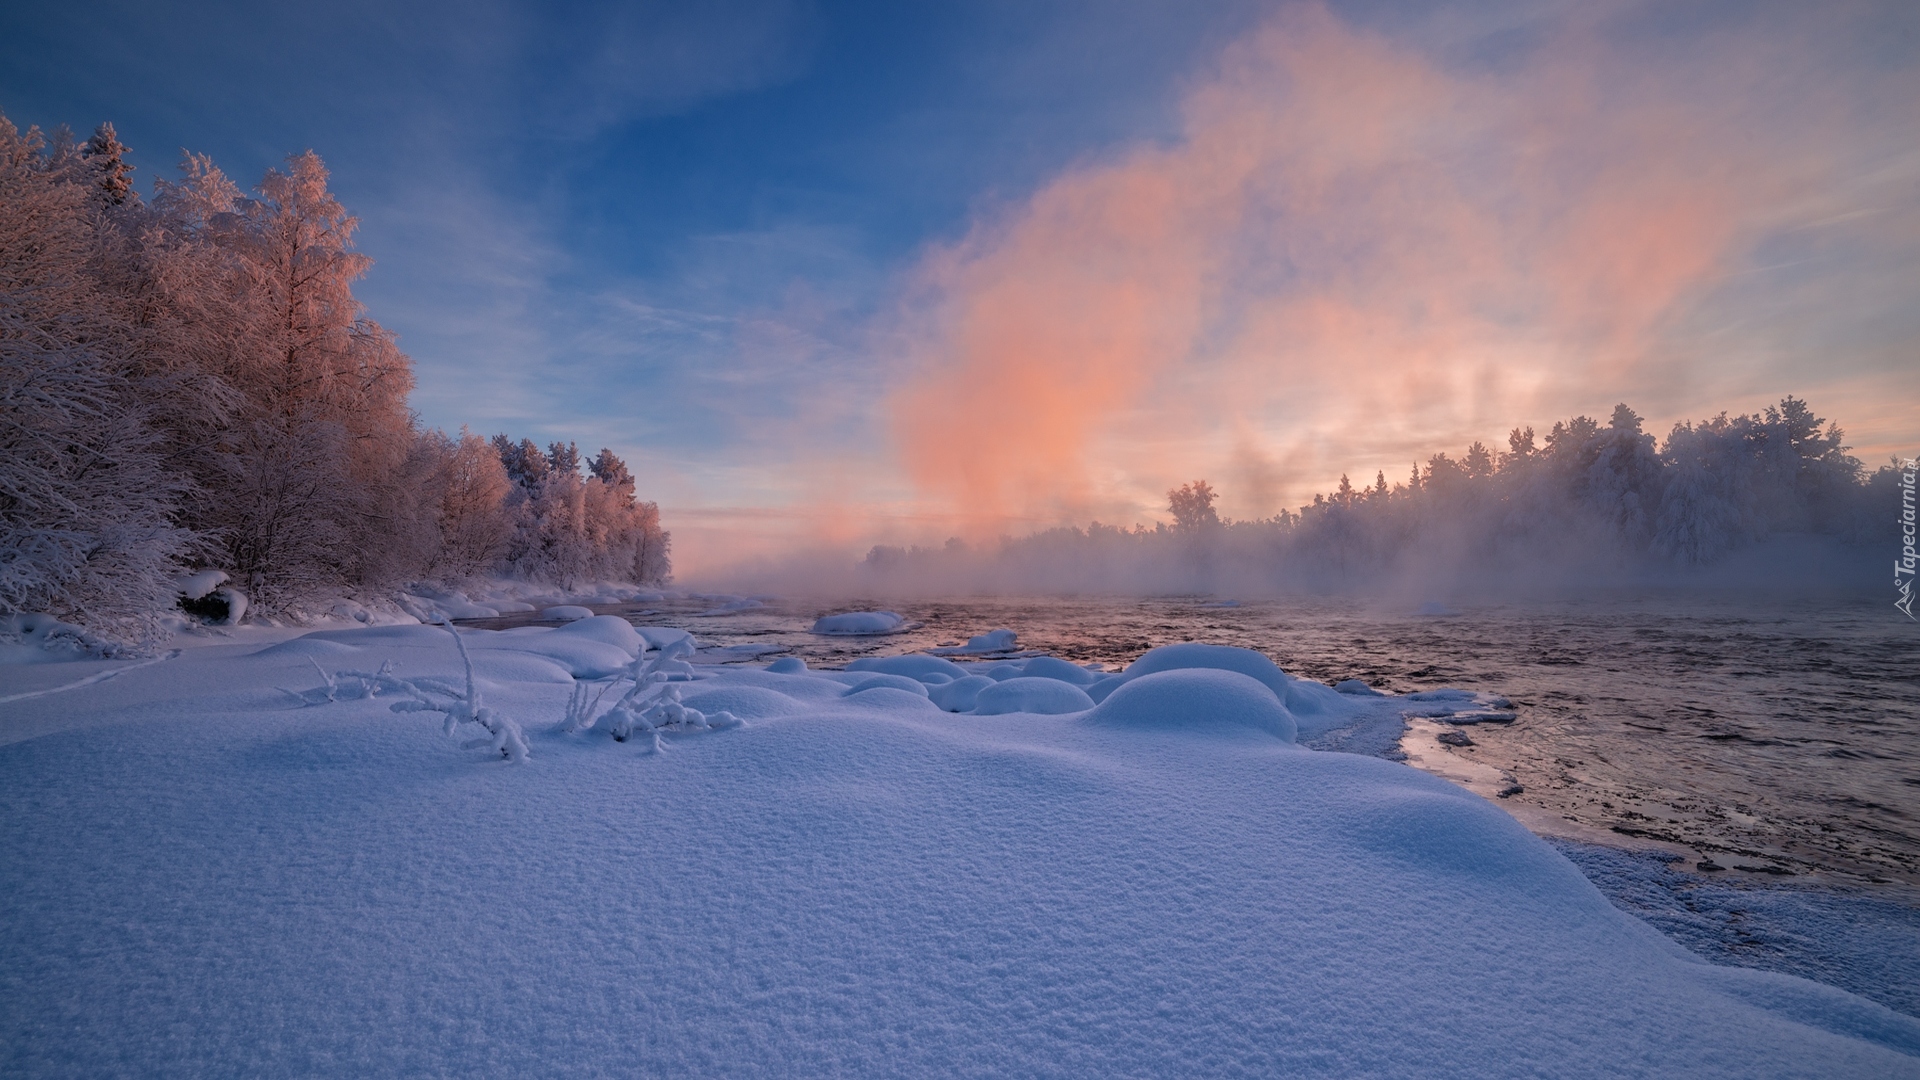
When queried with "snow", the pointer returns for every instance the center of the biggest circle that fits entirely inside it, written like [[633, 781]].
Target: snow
[[860, 622], [927, 669], [566, 613], [195, 586], [960, 695], [1031, 695], [42, 639], [1202, 701], [795, 872]]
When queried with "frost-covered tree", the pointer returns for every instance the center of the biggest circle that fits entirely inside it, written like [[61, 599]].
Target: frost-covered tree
[[470, 488], [86, 529], [571, 529], [307, 480], [106, 160], [190, 383]]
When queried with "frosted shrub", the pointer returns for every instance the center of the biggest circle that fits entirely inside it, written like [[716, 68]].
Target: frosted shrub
[[460, 704], [649, 706]]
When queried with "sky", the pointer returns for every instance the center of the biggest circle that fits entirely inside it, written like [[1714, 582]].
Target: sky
[[829, 275]]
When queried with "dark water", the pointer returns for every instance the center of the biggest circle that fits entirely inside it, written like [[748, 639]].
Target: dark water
[[1775, 737]]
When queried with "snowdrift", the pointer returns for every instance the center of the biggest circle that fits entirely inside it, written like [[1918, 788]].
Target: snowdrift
[[915, 868]]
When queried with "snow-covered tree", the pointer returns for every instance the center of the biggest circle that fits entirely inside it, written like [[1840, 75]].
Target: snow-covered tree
[[86, 500], [470, 489], [307, 479], [106, 159]]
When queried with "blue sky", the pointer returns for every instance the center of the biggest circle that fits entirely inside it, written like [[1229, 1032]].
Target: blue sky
[[704, 234]]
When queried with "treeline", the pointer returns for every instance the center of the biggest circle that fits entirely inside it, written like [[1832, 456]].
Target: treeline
[[1587, 499], [189, 383]]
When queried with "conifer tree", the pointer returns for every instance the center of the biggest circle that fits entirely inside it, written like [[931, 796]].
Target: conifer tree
[[106, 158]]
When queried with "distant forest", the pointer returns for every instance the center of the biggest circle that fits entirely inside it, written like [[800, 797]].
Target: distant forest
[[1587, 501], [189, 384]]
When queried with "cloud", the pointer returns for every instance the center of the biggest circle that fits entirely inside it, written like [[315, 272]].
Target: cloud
[[1358, 251]]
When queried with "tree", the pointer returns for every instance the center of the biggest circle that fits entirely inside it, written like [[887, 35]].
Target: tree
[[1192, 506], [312, 468], [106, 158], [1520, 449], [610, 470], [1478, 463], [86, 501], [470, 488]]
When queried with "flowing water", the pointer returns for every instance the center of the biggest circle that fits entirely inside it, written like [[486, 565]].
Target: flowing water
[[1778, 739]]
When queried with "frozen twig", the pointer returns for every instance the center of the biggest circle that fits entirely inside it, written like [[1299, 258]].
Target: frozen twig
[[460, 704], [649, 706]]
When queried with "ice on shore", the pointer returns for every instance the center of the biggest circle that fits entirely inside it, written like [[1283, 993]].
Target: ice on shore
[[566, 613], [993, 641], [203, 874], [855, 623]]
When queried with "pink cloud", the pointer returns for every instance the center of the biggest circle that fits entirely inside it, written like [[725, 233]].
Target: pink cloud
[[1355, 255]]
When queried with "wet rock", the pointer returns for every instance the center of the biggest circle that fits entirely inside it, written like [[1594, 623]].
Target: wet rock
[[1453, 738]]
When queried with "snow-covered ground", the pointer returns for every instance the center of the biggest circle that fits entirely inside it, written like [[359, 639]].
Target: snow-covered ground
[[239, 860]]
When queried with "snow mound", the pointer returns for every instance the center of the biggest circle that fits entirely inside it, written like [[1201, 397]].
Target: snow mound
[[857, 623], [872, 679], [888, 699], [961, 694], [913, 666], [525, 668], [606, 629], [1052, 667], [662, 637], [745, 702], [582, 657], [1197, 700], [1223, 657], [993, 641], [1031, 695], [566, 613], [309, 645]]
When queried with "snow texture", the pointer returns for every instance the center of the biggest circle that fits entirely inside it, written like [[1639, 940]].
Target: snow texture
[[201, 874]]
